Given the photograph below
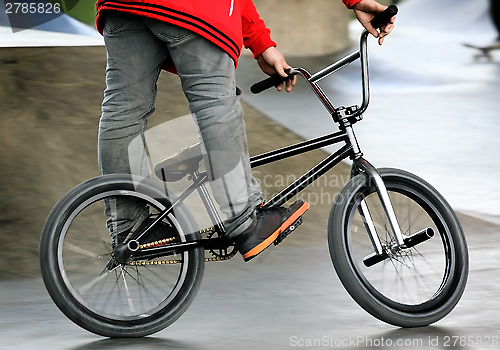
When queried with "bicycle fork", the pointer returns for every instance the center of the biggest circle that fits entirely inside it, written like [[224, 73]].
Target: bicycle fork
[[402, 241]]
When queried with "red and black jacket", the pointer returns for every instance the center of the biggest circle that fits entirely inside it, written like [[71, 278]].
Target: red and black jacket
[[229, 24]]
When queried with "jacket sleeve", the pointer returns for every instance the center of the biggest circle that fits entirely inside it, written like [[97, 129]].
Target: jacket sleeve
[[256, 36], [350, 3]]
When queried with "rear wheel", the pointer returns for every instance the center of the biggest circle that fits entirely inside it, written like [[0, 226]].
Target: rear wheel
[[412, 286], [117, 300]]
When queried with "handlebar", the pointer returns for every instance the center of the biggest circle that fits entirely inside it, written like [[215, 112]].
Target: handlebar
[[382, 18], [273, 80]]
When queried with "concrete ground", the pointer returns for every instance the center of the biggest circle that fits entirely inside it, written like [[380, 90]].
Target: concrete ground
[[289, 297]]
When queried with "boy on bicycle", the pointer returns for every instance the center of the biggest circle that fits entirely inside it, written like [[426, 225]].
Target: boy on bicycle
[[201, 42]]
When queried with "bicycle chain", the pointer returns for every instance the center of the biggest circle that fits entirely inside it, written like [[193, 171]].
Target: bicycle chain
[[210, 231], [216, 256]]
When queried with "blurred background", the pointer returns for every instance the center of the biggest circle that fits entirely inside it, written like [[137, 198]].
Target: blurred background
[[434, 111]]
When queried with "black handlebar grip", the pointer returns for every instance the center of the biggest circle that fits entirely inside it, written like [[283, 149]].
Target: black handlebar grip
[[384, 17], [273, 80]]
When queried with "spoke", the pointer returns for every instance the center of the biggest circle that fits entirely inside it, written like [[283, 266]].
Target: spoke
[[151, 290], [92, 283], [127, 291], [123, 293], [80, 250], [409, 276], [159, 277]]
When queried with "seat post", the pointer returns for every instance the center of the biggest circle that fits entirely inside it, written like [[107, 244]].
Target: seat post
[[209, 204]]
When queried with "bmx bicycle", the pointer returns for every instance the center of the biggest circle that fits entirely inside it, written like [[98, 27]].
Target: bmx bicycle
[[395, 243]]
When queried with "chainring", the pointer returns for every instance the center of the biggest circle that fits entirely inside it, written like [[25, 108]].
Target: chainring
[[221, 254]]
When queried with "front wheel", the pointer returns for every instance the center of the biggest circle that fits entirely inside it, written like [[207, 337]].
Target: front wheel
[[109, 298], [413, 286]]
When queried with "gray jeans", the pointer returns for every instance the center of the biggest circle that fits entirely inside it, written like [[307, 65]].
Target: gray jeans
[[136, 48]]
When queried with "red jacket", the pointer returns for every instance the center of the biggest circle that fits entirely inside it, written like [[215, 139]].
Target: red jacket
[[227, 23]]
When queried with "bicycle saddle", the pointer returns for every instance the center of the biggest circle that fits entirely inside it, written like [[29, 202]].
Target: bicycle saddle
[[184, 162]]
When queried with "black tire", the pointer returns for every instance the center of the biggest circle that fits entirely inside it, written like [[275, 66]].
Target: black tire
[[416, 286], [122, 300]]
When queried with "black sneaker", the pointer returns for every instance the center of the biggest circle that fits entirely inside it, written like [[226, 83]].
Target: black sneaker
[[270, 223]]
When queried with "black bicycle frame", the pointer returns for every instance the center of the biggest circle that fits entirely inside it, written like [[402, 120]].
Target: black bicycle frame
[[310, 176], [200, 180], [345, 117]]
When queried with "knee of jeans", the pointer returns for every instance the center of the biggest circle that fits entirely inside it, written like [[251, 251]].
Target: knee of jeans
[[224, 113], [126, 111], [113, 126], [125, 102]]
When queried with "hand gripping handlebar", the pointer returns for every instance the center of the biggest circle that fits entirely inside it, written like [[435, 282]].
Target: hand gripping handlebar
[[381, 19]]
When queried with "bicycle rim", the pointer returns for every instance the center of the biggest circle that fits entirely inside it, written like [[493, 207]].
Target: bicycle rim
[[414, 286], [100, 295], [126, 292]]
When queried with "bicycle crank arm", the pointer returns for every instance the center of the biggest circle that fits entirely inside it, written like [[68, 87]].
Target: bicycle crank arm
[[409, 242]]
